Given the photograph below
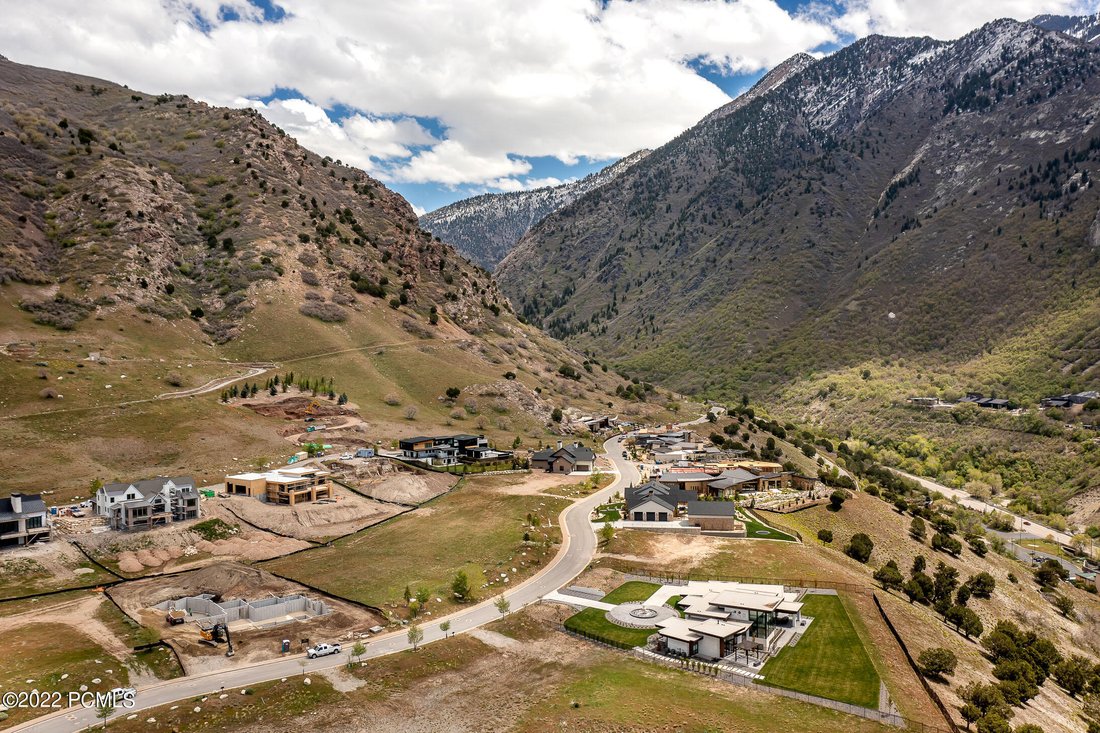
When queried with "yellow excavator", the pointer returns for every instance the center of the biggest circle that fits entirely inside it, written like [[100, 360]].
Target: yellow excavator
[[217, 634], [312, 407]]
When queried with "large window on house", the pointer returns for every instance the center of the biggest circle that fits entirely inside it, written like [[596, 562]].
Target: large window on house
[[34, 522]]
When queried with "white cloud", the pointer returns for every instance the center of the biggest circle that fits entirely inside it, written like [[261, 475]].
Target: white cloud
[[945, 19], [506, 79]]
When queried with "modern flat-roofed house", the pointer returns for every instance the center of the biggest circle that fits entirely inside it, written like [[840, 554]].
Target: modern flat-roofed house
[[23, 520], [429, 451], [687, 480], [574, 458], [734, 615], [476, 449], [288, 486], [148, 503]]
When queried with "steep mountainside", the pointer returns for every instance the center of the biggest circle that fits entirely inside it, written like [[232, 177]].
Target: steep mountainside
[[153, 244], [485, 228], [903, 198], [1086, 27]]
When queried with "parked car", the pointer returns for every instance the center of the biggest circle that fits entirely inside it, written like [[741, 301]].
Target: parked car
[[322, 650], [346, 456], [118, 694], [310, 419]]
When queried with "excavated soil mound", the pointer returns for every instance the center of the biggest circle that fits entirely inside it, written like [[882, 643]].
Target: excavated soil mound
[[294, 408], [316, 521], [386, 481]]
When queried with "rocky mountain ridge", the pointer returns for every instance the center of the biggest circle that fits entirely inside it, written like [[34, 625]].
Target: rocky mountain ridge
[[857, 209], [485, 228]]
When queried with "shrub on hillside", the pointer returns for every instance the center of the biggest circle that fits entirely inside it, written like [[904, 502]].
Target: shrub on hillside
[[860, 547], [309, 277], [825, 535], [937, 662], [62, 312], [327, 312]]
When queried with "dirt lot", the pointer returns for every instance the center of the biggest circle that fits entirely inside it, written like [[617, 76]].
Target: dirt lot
[[293, 406], [232, 580], [46, 566], [387, 481], [175, 546], [317, 521]]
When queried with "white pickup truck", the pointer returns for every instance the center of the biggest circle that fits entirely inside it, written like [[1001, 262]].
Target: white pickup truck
[[322, 650]]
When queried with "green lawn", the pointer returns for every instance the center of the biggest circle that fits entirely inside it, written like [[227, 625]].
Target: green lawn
[[474, 528], [672, 601], [609, 513], [591, 621], [632, 590], [757, 529], [829, 660]]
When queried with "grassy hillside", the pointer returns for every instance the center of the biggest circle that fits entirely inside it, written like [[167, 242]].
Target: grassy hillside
[[152, 244]]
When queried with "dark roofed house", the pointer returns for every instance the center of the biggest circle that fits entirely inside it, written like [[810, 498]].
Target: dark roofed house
[[656, 502], [688, 480], [564, 459], [23, 520], [714, 516]]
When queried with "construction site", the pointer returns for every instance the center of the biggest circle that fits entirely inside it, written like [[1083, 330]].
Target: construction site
[[198, 612]]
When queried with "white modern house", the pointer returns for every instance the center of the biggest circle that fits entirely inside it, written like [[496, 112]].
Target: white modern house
[[723, 618], [148, 503]]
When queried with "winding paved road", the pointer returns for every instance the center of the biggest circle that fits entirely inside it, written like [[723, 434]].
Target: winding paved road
[[971, 502], [577, 550]]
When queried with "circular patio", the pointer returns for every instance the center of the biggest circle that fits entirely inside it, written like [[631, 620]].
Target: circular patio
[[638, 616]]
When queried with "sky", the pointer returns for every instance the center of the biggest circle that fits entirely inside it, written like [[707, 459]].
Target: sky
[[444, 99]]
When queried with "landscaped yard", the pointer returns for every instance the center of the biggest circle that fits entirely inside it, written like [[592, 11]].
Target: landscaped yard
[[756, 529], [593, 622], [473, 528], [632, 590], [609, 512], [829, 660], [672, 601]]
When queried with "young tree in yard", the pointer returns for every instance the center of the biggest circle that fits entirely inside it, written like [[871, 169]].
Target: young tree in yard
[[415, 636], [358, 651], [937, 662], [460, 586], [917, 530], [889, 576], [407, 595], [104, 711], [860, 547], [1064, 604], [503, 605], [445, 627], [607, 532], [837, 499], [422, 595]]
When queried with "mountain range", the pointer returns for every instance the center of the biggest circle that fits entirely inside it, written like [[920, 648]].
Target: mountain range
[[900, 199], [485, 228]]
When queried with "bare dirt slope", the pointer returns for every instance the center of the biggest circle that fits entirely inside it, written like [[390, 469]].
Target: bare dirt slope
[[316, 521]]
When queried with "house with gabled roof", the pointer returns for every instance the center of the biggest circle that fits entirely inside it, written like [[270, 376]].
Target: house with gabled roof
[[656, 502], [148, 503], [574, 458]]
